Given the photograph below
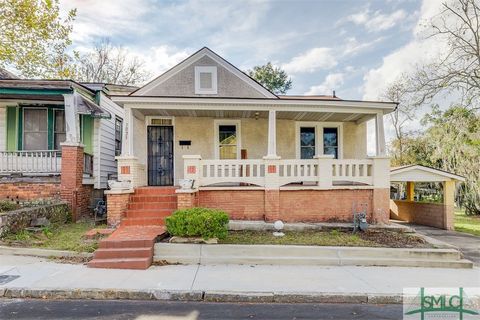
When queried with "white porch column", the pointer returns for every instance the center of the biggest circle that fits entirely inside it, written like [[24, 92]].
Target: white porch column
[[380, 135], [127, 143], [72, 123], [272, 136]]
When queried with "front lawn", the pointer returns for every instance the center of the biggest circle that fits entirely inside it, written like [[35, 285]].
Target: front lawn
[[68, 236], [371, 238], [468, 224]]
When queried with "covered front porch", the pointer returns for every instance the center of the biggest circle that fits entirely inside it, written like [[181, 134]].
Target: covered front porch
[[225, 143]]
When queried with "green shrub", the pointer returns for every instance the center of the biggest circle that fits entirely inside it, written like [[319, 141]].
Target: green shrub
[[7, 205], [198, 222]]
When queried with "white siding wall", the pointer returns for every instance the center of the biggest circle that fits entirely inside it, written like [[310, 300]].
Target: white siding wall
[[105, 142], [3, 128]]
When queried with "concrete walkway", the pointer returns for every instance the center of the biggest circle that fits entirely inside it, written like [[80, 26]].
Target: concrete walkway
[[467, 243], [38, 273]]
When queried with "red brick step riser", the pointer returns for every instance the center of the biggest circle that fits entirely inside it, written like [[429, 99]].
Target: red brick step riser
[[105, 244], [153, 191], [152, 205], [143, 222], [120, 253], [155, 198]]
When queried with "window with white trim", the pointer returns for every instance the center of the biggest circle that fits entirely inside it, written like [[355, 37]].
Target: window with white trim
[[227, 139], [35, 129], [205, 80], [317, 138]]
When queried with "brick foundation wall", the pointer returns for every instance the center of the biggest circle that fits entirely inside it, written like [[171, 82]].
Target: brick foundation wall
[[29, 190], [323, 205], [116, 207], [296, 205], [429, 214], [239, 204]]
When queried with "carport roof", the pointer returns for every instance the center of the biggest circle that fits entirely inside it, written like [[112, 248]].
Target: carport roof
[[419, 173]]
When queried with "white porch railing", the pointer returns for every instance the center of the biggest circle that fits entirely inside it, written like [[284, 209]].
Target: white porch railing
[[31, 162], [323, 172]]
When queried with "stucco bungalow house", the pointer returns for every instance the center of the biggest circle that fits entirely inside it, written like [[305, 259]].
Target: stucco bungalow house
[[232, 144], [58, 139]]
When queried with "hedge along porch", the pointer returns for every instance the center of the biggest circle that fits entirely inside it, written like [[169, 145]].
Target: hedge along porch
[[438, 215]]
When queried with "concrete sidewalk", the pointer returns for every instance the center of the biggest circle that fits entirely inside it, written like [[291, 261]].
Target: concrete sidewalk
[[223, 282]]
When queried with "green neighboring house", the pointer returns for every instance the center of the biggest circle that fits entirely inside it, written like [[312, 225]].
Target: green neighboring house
[[33, 125]]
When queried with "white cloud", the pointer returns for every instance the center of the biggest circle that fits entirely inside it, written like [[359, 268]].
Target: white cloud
[[312, 60], [419, 50], [332, 81], [106, 18], [377, 21], [353, 47], [161, 58]]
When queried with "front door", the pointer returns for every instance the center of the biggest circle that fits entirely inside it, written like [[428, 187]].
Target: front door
[[160, 155]]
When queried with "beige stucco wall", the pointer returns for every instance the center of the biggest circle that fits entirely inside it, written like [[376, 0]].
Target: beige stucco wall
[[183, 83], [254, 139]]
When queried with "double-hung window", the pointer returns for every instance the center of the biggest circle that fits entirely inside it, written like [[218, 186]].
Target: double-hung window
[[330, 141], [35, 129]]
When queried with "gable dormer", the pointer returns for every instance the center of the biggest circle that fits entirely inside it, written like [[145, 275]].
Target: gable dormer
[[204, 74]]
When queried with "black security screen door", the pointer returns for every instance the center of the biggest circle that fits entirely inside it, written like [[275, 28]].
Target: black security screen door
[[160, 155]]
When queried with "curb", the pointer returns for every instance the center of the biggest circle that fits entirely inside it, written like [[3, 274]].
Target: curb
[[201, 296], [38, 252]]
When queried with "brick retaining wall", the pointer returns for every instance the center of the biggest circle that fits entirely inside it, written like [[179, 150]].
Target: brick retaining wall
[[428, 214]]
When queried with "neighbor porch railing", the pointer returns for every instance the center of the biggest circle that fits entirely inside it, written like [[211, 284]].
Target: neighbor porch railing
[[87, 164], [323, 172], [31, 162]]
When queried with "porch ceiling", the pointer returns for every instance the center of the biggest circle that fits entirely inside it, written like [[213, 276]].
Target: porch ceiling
[[290, 115]]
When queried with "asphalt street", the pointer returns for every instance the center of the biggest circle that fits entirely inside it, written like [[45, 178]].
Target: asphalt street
[[153, 310]]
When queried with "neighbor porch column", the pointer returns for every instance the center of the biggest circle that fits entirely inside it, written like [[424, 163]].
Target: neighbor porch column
[[72, 190], [380, 135]]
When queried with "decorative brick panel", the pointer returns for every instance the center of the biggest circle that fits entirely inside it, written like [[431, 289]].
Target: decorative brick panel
[[191, 169], [272, 169], [125, 169]]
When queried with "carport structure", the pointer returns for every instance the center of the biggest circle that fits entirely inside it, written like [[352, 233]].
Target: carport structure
[[438, 215]]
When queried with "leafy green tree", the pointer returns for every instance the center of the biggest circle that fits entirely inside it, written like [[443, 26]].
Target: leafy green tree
[[34, 38], [273, 78]]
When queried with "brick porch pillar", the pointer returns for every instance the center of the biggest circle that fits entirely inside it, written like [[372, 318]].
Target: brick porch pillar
[[71, 187], [186, 198], [448, 204], [117, 205], [272, 204]]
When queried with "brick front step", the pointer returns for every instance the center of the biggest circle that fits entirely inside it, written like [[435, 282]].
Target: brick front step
[[130, 243], [153, 191], [120, 253], [152, 205], [156, 198], [122, 263], [157, 213], [143, 221]]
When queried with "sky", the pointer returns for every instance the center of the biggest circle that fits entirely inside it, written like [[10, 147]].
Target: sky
[[355, 47]]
